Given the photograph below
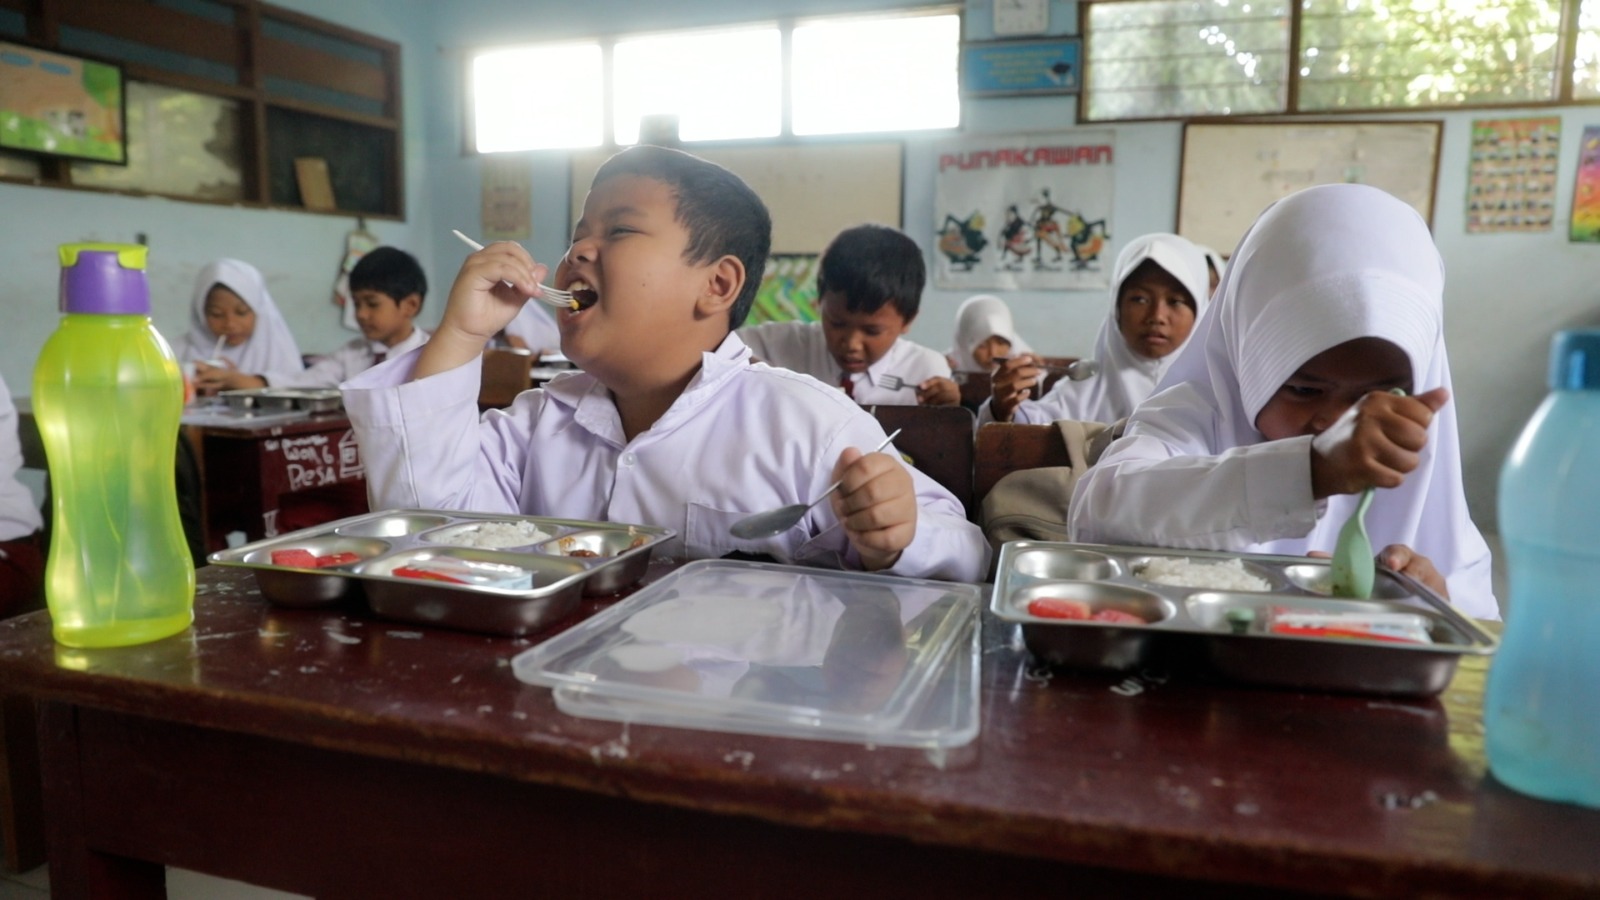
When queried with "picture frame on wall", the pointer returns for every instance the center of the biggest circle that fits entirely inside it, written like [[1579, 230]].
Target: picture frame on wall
[[62, 104], [1021, 67]]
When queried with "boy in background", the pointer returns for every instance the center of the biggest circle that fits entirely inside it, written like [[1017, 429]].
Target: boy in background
[[670, 422], [869, 288], [388, 287]]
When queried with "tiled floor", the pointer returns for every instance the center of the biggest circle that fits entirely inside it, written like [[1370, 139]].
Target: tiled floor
[[181, 885]]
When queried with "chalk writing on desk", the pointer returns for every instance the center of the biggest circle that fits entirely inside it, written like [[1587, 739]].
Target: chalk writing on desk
[[310, 461]]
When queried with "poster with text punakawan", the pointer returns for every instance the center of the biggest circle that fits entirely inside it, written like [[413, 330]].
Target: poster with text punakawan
[[1024, 212]]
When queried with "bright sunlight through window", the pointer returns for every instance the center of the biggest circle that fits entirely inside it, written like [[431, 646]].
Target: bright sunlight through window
[[537, 98], [876, 75], [721, 85]]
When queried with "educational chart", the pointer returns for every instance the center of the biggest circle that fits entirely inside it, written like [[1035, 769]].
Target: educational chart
[[61, 105], [1511, 185], [1232, 171], [1024, 212], [1586, 189]]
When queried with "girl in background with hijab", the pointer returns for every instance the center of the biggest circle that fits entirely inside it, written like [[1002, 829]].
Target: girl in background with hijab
[[236, 332], [985, 335], [1279, 413], [1158, 291], [1215, 265]]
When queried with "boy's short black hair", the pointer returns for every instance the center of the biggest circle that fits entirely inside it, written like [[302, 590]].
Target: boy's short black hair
[[721, 213], [392, 272], [872, 265]]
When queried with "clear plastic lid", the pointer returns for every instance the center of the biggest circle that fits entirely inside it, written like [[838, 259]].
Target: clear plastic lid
[[771, 649]]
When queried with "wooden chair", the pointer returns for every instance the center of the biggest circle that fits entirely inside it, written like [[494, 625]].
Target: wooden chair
[[976, 387], [938, 439], [506, 373], [1003, 448]]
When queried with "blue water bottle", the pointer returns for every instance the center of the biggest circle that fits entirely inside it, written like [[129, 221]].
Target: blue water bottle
[[1541, 713]]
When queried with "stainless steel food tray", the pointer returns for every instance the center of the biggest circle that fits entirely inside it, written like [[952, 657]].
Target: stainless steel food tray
[[1191, 624], [390, 539], [270, 400]]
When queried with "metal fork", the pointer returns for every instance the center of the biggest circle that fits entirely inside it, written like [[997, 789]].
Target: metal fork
[[549, 296], [893, 382]]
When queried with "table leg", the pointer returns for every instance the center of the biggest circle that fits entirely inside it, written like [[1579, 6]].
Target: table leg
[[21, 806]]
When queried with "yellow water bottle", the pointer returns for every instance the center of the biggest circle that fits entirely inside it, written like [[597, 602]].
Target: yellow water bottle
[[107, 395]]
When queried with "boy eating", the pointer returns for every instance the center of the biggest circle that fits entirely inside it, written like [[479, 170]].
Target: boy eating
[[670, 422], [388, 287], [868, 290]]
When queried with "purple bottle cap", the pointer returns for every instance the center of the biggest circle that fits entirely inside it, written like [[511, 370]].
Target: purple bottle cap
[[104, 278]]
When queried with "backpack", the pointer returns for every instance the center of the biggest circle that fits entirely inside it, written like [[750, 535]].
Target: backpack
[[1031, 504]]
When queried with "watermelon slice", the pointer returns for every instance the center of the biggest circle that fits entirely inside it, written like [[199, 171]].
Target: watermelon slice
[[1057, 608], [298, 559], [1118, 617]]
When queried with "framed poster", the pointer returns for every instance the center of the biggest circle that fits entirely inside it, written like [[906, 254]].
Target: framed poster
[[61, 105], [999, 68], [1511, 184], [1232, 171]]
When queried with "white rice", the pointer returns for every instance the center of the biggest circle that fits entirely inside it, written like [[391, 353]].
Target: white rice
[[492, 535], [1181, 571]]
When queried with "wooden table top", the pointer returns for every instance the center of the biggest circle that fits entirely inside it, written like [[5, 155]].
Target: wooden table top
[[1317, 792]]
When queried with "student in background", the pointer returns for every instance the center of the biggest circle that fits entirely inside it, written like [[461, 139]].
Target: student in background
[[388, 288], [1215, 265], [985, 335], [1158, 291], [1276, 418], [534, 329], [670, 422], [869, 287], [21, 544], [232, 305]]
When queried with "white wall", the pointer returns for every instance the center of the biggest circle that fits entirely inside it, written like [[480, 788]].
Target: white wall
[[298, 252]]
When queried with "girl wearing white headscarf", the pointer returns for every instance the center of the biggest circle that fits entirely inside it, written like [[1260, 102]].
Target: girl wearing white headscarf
[[1125, 375], [1215, 265], [1334, 296], [269, 347], [980, 319]]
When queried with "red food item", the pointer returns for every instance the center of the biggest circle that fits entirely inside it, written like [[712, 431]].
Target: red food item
[[408, 572], [299, 559], [1057, 608], [1118, 616], [336, 559]]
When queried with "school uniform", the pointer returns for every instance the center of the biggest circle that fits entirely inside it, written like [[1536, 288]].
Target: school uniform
[[742, 438], [802, 347], [345, 362], [535, 328], [271, 346], [1324, 266], [979, 318], [21, 557], [1124, 378]]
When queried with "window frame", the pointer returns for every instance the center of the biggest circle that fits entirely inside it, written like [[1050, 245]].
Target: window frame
[[1566, 61]]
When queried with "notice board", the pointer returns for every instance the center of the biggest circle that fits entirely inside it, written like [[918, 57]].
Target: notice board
[[812, 190], [1231, 171]]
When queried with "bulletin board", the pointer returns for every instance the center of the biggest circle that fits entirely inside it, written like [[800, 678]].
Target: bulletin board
[[1232, 171], [812, 190]]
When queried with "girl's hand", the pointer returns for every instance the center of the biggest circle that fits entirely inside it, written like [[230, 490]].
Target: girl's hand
[[488, 292], [876, 505], [1409, 562], [1374, 444], [1013, 383], [938, 391]]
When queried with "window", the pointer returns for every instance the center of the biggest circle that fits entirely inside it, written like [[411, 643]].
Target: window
[[721, 85], [894, 74], [847, 75], [1175, 58], [535, 98]]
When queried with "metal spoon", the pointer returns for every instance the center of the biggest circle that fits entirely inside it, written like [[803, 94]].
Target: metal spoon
[[777, 521]]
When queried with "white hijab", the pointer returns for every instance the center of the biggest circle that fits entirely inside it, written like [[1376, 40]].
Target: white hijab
[[1326, 265], [981, 317], [1126, 378], [270, 348], [1216, 261]]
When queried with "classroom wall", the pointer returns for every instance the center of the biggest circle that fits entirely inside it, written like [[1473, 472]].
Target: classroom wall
[[1505, 293], [299, 253]]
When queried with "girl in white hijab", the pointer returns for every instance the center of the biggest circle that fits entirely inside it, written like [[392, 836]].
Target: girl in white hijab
[[1158, 291], [984, 334], [1215, 265], [254, 340], [1278, 414]]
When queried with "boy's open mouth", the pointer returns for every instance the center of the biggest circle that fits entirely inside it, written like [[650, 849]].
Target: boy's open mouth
[[585, 295]]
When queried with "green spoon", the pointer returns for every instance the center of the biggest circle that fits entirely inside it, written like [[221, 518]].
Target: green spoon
[[1354, 568]]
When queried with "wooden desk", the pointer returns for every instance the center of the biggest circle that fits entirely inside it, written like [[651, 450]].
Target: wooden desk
[[341, 756], [249, 469]]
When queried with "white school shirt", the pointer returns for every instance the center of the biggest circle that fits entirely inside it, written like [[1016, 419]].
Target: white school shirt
[[271, 346], [19, 515], [347, 361], [802, 347], [1125, 378], [742, 438], [1323, 266], [536, 328]]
